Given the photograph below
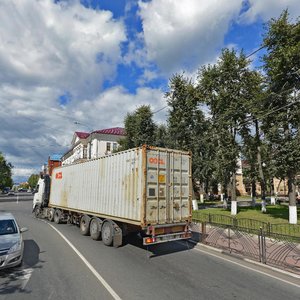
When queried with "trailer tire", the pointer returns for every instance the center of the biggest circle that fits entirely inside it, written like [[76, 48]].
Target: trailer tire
[[57, 216], [85, 225], [95, 229], [107, 232], [50, 214]]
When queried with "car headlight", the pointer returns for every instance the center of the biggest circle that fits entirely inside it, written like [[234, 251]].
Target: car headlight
[[16, 247]]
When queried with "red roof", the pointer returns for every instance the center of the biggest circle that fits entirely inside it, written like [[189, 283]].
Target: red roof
[[113, 131], [82, 135]]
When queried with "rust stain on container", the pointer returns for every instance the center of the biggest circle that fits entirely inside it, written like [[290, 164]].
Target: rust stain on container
[[64, 198]]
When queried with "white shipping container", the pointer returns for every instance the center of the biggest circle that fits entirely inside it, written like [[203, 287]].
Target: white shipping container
[[142, 186]]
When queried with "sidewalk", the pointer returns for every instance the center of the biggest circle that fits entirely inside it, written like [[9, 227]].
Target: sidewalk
[[284, 255]]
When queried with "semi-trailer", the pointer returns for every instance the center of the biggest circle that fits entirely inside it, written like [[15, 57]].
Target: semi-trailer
[[145, 189]]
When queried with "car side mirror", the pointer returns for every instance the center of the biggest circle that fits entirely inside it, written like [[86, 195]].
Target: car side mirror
[[23, 229]]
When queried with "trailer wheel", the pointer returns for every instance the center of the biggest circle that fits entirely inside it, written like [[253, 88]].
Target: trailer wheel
[[95, 229], [85, 225], [51, 214], [57, 216], [107, 233]]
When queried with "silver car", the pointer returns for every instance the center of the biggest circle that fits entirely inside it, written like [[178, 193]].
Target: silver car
[[11, 241]]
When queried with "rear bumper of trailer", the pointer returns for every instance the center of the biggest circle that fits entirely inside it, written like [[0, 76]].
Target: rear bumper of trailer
[[166, 233], [166, 238]]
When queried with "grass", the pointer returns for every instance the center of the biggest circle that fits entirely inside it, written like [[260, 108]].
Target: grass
[[275, 214], [274, 221]]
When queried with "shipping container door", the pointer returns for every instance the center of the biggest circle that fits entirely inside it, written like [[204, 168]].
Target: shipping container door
[[179, 185], [167, 186]]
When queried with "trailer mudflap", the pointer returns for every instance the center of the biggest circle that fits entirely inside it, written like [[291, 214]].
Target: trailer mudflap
[[117, 238]]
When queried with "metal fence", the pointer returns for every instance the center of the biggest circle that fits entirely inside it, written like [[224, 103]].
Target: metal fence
[[292, 231], [273, 244]]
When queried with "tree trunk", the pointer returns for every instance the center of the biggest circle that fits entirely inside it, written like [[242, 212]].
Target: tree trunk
[[253, 193], [225, 199], [233, 195], [292, 199], [260, 170]]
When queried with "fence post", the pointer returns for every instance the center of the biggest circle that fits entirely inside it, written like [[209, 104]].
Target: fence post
[[235, 222], [259, 245], [229, 239], [262, 246], [203, 232]]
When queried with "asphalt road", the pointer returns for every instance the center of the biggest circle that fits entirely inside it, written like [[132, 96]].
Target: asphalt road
[[52, 269]]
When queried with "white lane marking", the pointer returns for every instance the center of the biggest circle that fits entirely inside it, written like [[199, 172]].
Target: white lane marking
[[246, 267], [26, 274], [92, 269]]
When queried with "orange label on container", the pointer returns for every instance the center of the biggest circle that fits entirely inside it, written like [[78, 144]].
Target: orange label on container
[[58, 175], [154, 160], [161, 178]]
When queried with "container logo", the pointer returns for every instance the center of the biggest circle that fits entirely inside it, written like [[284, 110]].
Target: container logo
[[154, 160], [58, 175]]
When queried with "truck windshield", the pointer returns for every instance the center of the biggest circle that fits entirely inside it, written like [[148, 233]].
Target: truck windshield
[[8, 227]]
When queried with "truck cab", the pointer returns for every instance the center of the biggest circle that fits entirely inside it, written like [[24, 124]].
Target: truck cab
[[38, 194]]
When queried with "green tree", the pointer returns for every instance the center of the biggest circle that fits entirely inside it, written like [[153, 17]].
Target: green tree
[[140, 128], [189, 130], [5, 173], [130, 129], [282, 68], [161, 136], [225, 88], [33, 180], [182, 102]]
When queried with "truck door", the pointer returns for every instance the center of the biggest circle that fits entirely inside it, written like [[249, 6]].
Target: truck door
[[38, 195], [167, 186]]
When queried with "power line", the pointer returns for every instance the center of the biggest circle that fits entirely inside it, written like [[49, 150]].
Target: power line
[[255, 51], [160, 109]]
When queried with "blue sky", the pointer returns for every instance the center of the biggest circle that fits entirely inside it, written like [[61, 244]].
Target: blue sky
[[90, 62]]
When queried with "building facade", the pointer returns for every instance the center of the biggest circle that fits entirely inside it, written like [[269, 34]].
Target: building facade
[[92, 145]]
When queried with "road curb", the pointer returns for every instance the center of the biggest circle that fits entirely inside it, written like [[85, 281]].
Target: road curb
[[200, 245]]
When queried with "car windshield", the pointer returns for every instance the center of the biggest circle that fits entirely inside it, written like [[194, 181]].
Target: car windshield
[[8, 227]]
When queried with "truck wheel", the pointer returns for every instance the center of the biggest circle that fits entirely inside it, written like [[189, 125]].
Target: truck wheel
[[37, 211], [95, 229], [51, 215], [107, 233], [57, 216], [85, 225]]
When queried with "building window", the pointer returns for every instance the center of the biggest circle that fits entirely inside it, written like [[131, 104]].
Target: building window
[[115, 146], [107, 147]]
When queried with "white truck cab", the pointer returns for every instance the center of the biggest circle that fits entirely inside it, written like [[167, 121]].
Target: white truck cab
[[38, 195]]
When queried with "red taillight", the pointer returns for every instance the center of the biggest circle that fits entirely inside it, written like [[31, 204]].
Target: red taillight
[[150, 240]]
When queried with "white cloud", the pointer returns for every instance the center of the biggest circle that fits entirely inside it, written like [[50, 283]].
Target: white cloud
[[46, 50], [111, 106], [185, 33], [268, 9], [63, 45]]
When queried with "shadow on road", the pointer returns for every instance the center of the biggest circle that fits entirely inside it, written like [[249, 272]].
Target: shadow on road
[[14, 279], [158, 249]]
